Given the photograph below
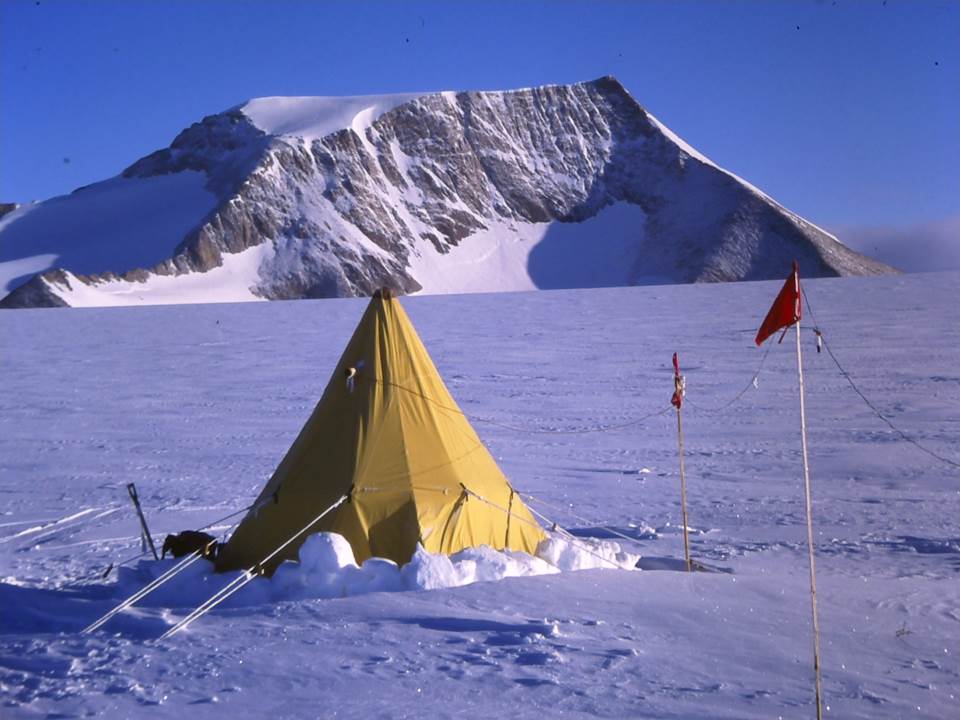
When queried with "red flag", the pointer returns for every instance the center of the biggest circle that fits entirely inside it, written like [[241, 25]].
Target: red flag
[[677, 399], [785, 310]]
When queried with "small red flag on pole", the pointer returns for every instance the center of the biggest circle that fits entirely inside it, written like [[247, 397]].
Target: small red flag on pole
[[679, 389], [784, 313], [785, 310]]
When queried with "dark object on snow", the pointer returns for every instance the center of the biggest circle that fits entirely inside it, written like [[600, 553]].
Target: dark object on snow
[[190, 541], [145, 537]]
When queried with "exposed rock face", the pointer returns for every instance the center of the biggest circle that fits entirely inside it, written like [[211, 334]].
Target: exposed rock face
[[345, 212], [37, 292]]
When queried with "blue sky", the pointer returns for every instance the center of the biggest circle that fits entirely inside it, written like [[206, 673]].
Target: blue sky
[[846, 112]]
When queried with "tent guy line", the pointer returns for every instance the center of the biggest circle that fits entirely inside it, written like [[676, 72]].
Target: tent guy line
[[514, 428], [144, 591], [58, 524], [553, 525], [249, 574], [169, 574], [590, 523], [866, 400], [103, 574], [750, 383]]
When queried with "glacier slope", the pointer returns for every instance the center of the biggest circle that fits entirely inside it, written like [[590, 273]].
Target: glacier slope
[[118, 225]]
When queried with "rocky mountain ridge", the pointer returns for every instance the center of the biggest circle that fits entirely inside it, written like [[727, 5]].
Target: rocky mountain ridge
[[398, 197]]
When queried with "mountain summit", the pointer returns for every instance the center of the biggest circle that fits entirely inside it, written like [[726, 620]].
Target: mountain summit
[[560, 186]]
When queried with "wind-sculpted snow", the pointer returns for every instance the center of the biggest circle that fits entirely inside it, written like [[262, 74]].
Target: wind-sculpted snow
[[379, 191]]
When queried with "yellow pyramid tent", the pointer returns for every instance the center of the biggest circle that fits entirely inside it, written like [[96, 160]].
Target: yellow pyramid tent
[[388, 433]]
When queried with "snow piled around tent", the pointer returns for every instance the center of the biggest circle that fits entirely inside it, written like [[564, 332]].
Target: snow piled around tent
[[328, 569]]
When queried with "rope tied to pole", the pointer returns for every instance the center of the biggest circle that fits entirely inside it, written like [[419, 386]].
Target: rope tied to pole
[[514, 428], [573, 539], [609, 529], [212, 523], [249, 574], [821, 341], [753, 382], [169, 574]]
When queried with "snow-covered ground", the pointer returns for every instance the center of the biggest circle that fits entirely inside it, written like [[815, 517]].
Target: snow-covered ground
[[196, 404]]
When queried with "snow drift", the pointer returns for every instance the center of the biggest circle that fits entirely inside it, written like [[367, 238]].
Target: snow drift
[[327, 569]]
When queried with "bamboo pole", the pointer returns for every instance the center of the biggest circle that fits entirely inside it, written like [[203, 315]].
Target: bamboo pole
[[145, 533], [677, 402], [683, 494], [809, 505]]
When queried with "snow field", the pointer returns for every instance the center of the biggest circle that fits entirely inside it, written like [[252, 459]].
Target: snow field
[[233, 281], [517, 256], [197, 404]]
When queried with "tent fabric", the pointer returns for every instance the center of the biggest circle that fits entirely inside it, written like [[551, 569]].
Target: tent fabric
[[388, 433]]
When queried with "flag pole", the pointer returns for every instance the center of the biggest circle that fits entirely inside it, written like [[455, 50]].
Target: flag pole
[[809, 506], [679, 389], [786, 311], [683, 494]]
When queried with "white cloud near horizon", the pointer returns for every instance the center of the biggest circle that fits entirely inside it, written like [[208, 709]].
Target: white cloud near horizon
[[927, 247]]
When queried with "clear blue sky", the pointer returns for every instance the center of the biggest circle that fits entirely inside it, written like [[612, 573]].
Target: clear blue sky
[[846, 112]]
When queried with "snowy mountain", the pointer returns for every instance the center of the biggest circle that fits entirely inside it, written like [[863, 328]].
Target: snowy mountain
[[553, 187]]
